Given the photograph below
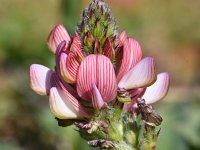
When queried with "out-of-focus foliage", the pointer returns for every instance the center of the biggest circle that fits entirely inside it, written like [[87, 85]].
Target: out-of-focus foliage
[[168, 30]]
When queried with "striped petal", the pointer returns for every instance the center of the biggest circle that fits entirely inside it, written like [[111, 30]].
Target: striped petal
[[142, 75], [98, 70], [119, 49], [132, 54], [97, 100], [57, 35], [76, 47], [59, 51], [40, 79], [64, 106], [122, 37], [71, 62], [58, 82], [66, 75], [158, 90]]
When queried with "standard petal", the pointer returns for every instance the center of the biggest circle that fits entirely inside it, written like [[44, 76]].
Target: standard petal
[[142, 75], [158, 90], [57, 35], [132, 54], [64, 106], [40, 79], [97, 100], [98, 70]]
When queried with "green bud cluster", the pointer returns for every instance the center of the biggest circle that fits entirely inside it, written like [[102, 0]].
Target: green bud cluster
[[96, 26]]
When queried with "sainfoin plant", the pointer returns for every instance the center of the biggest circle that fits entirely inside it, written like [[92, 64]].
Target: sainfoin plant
[[102, 84]]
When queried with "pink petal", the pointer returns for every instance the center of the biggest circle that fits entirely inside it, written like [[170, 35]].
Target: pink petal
[[158, 90], [58, 82], [118, 50], [70, 63], [97, 100], [76, 47], [40, 79], [59, 51], [64, 106], [64, 67], [57, 35], [142, 75], [132, 54], [122, 37], [64, 70], [98, 70]]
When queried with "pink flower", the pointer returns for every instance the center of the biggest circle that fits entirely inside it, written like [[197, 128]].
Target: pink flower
[[96, 78]]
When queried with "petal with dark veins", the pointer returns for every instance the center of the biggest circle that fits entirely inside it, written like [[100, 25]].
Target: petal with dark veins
[[57, 35], [98, 70], [64, 69]]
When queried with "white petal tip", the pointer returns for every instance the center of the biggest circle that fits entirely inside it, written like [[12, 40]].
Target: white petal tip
[[40, 79], [59, 105], [158, 90]]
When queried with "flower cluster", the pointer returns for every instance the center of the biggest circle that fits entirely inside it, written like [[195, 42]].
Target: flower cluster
[[95, 78], [101, 82]]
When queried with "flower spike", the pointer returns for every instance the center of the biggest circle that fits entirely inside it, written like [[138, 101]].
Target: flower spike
[[101, 84]]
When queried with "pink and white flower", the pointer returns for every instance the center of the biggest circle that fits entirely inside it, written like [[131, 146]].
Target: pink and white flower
[[95, 78]]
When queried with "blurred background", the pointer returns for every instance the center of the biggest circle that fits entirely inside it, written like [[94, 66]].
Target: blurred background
[[167, 30]]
